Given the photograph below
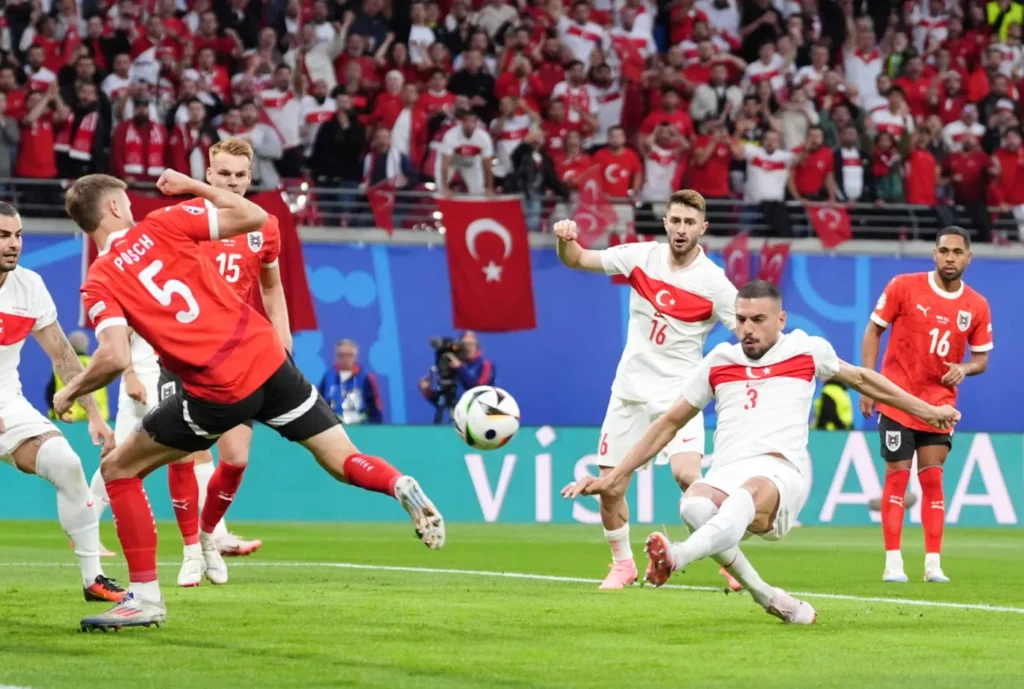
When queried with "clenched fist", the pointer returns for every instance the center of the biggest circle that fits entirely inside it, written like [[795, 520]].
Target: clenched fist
[[566, 230]]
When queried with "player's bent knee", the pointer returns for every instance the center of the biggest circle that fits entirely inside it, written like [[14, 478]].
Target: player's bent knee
[[58, 463], [695, 511], [26, 454]]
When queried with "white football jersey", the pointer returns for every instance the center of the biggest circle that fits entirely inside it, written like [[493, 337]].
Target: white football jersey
[[468, 151], [764, 405], [671, 313], [144, 358], [25, 306]]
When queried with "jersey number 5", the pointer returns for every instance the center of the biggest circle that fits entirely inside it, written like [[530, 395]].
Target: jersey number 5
[[165, 294], [228, 265]]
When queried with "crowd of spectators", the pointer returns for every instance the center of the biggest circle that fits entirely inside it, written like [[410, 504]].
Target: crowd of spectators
[[762, 100]]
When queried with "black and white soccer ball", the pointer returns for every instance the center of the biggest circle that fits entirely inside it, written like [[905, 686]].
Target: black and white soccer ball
[[486, 417]]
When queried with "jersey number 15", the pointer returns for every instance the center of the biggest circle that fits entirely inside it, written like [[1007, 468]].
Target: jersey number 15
[[164, 295]]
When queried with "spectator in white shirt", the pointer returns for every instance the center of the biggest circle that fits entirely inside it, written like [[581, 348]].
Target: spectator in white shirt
[[767, 175], [495, 14], [421, 36], [580, 34]]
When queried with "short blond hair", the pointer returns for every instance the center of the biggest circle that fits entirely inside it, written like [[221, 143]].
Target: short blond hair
[[690, 199], [232, 146], [83, 201]]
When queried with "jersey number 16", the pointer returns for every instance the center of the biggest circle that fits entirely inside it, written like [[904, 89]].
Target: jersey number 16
[[165, 294]]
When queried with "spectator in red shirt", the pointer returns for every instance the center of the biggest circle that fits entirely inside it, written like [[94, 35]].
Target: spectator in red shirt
[[437, 98], [226, 47], [557, 126], [398, 59], [967, 170], [1008, 170], [15, 95], [812, 176], [914, 85], [621, 175], [921, 172], [712, 157], [572, 161], [671, 114], [355, 51], [388, 104], [521, 82]]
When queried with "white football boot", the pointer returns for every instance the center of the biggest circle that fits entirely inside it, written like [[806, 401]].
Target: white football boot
[[192, 569], [130, 612], [426, 519], [216, 568], [789, 609]]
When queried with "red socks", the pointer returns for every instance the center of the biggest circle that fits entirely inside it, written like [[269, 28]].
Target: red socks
[[219, 494], [369, 473], [181, 478], [933, 508], [892, 507], [136, 529]]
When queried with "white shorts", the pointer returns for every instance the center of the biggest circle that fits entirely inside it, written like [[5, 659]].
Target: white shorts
[[21, 422], [626, 422], [130, 412], [788, 479]]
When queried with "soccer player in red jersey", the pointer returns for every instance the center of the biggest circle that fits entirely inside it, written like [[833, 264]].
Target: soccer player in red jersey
[[241, 261], [153, 277], [935, 318]]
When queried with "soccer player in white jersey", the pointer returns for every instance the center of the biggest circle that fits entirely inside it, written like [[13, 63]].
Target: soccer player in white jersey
[[28, 440], [763, 388], [678, 294]]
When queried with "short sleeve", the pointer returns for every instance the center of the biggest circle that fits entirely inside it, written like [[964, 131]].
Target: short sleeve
[[196, 221], [750, 150], [487, 150], [888, 306], [101, 308], [830, 163], [826, 361], [980, 339], [45, 311], [271, 243], [697, 388], [622, 259], [724, 300]]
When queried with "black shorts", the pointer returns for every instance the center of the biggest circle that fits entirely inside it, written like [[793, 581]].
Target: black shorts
[[286, 402], [899, 442]]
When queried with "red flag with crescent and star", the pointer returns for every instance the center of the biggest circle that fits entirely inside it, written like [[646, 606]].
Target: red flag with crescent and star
[[382, 204], [773, 262], [737, 260], [488, 264], [832, 223], [594, 214]]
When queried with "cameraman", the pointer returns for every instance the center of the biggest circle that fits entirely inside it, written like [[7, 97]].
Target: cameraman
[[469, 366]]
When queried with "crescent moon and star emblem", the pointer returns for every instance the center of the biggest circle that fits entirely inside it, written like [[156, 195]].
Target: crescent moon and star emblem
[[669, 300], [484, 226], [750, 372], [611, 173], [830, 216]]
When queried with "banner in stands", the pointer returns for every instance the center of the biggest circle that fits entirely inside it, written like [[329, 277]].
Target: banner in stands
[[392, 299], [984, 480]]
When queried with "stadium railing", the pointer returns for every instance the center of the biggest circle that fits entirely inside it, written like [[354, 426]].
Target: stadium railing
[[326, 208]]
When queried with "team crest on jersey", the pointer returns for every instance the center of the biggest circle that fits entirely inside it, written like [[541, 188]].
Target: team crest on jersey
[[167, 390], [255, 241], [194, 210], [893, 440], [963, 320]]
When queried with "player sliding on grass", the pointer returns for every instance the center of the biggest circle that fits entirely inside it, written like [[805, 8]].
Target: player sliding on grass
[[935, 317], [28, 440], [763, 388], [153, 278], [676, 296]]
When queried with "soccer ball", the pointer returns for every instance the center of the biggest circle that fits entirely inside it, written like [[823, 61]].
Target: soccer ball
[[486, 417]]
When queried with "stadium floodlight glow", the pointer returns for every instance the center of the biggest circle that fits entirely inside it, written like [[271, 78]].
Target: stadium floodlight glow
[[437, 215], [304, 186], [430, 186], [301, 201]]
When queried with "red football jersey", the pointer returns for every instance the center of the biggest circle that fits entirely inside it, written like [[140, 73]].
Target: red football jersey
[[155, 279], [929, 328], [240, 259]]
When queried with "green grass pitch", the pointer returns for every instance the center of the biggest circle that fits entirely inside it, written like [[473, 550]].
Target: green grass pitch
[[288, 618]]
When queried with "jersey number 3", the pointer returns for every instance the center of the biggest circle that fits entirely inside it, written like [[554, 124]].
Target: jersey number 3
[[165, 294]]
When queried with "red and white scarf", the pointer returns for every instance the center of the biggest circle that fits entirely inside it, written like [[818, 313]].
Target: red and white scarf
[[138, 157], [81, 144]]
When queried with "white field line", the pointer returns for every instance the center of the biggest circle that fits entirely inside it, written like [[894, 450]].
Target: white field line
[[575, 580]]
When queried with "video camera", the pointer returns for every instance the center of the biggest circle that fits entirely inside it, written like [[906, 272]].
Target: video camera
[[447, 384]]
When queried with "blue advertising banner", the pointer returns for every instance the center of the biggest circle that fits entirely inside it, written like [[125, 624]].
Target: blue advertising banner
[[392, 300], [984, 480]]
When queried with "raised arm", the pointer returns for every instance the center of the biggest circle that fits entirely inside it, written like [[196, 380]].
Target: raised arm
[[571, 254], [879, 388], [66, 363], [235, 214]]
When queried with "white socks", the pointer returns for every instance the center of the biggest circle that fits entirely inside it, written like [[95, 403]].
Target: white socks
[[698, 511], [98, 487], [721, 532], [618, 540], [148, 591], [894, 561], [57, 463], [204, 472], [932, 562]]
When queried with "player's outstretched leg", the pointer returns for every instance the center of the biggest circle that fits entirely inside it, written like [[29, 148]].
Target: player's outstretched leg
[[233, 448], [933, 518], [50, 457], [136, 530], [893, 511]]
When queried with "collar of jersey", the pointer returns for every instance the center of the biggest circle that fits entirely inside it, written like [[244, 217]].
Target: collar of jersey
[[943, 293], [111, 238]]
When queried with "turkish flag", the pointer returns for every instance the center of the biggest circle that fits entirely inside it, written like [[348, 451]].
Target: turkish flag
[[773, 262], [382, 203], [737, 260], [632, 59], [301, 315], [832, 223], [488, 264], [594, 215]]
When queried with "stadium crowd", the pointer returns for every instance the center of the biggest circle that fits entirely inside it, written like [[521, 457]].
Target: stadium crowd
[[760, 100]]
